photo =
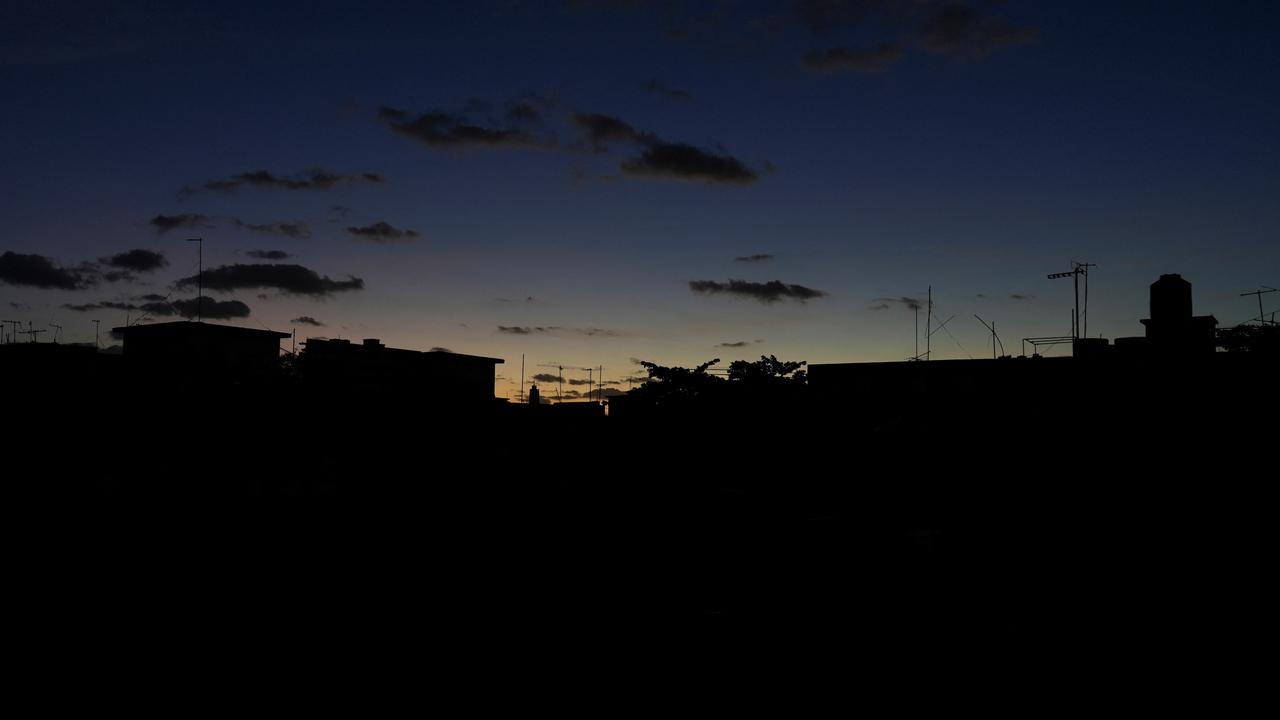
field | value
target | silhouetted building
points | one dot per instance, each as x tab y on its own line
1172	328
371	367
534	396
214	352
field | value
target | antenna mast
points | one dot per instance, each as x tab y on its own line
13	335
1077	269
199	278
31	331
994	337
1262	316
928	323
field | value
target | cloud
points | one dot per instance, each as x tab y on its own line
165	223
528	298
605	130
762	257
40	272
884	303
547	378
313	179
738	344
444	130
289	279
867	60
268	254
137	260
766	292
307	320
678	161
210	309
297	230
524	111
557	329
106	305
382	232
19	306
657	89
151	297
955	28
440	349
1021	296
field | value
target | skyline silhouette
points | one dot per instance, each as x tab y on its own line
609	177
944	326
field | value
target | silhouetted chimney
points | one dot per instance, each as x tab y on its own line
1171	300
533	395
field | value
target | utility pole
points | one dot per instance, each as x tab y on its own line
1262	317
521	377
57	332
97	324
199	278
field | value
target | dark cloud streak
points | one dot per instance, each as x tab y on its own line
766	292
41	272
287	278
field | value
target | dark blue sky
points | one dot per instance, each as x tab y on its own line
872	147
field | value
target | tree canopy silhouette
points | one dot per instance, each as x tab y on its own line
768	371
1250	338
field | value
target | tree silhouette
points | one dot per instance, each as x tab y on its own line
768	371
678	385
1250	338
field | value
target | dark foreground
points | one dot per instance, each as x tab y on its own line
1145	528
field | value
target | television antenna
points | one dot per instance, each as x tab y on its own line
1077	270
1262	316
31	331
994	337
57	332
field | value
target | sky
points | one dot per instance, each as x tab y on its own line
588	184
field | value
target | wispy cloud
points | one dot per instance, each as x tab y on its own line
297	230
313	179
884	303
383	232
165	223
766	292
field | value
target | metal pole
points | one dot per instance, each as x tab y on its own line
199	278
917	355
522	377
928	325
1075	317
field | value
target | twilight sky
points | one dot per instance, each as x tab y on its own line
591	182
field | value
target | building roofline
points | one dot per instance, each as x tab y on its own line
204	326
